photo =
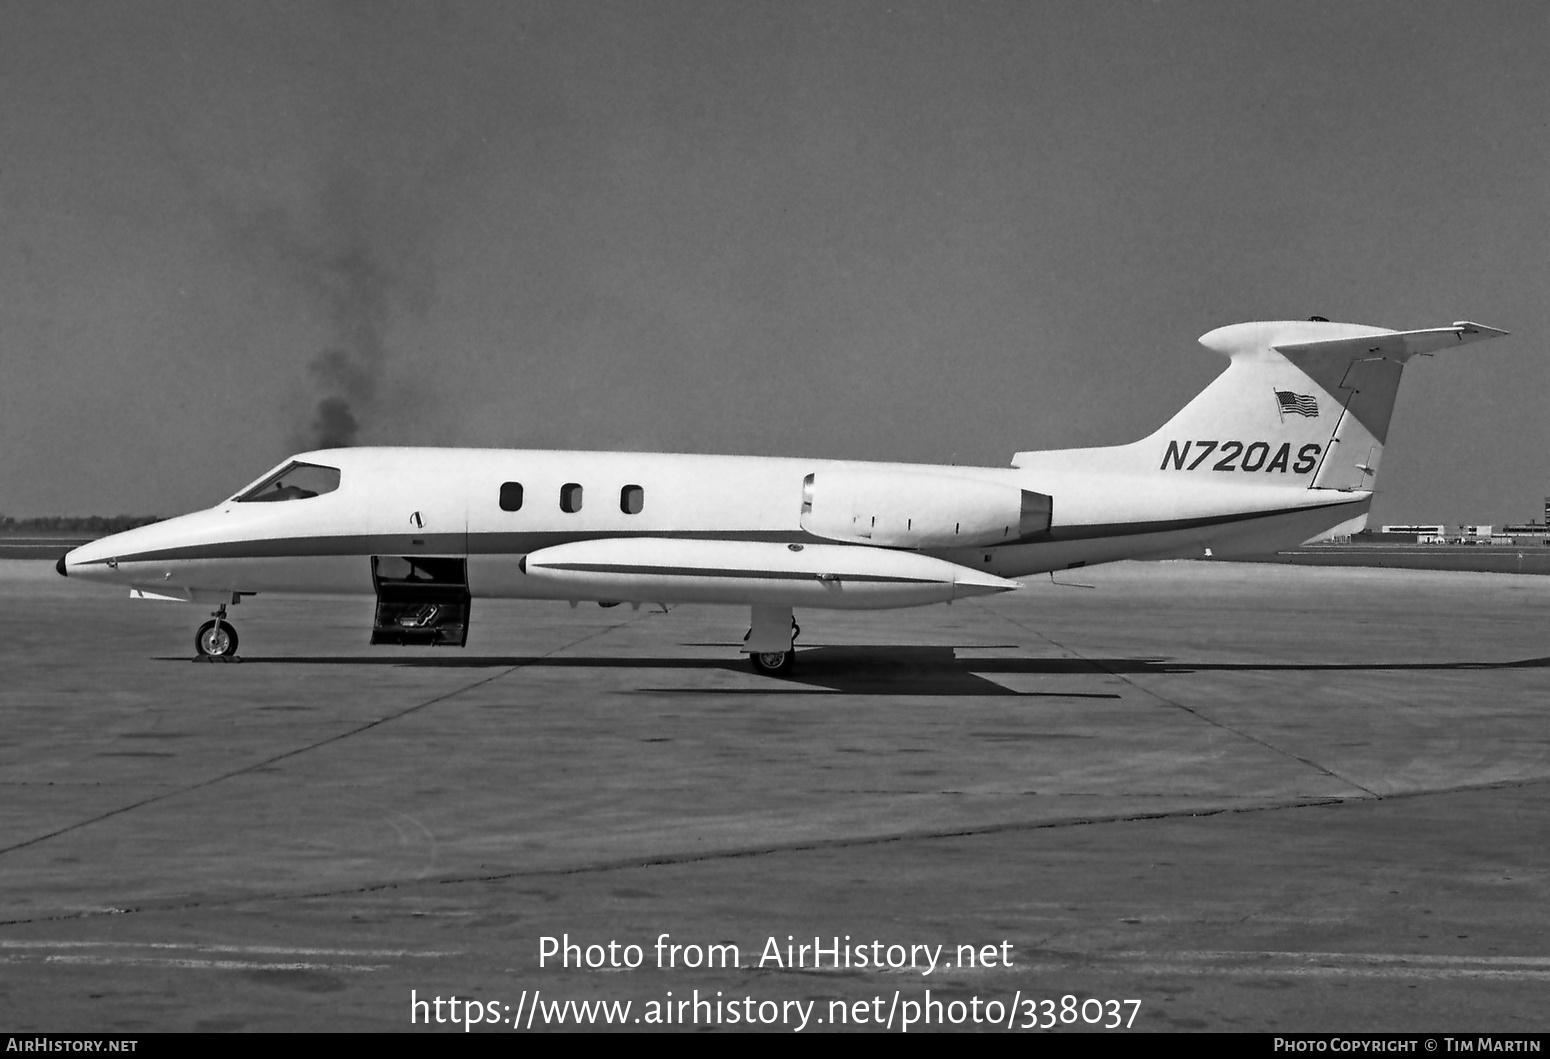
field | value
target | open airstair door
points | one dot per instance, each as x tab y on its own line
420	600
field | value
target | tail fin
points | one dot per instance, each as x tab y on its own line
1303	401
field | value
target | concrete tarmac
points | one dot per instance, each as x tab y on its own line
1250	797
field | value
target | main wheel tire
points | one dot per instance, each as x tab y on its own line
216	639
772	663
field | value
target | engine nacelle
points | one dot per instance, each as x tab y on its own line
907	509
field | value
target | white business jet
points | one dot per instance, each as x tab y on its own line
1281	447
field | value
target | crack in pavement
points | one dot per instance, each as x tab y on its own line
304	749
774	849
1197	714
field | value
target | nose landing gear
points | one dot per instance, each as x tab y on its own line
216	640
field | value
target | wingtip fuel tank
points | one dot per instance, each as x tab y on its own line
834	576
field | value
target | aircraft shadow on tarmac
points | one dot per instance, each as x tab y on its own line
884	669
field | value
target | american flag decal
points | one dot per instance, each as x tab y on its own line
1301	403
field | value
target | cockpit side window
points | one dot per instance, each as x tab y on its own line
294	481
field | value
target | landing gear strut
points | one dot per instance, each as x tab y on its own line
770	641
216	638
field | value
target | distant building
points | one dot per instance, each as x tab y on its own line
1417	534
1474	535
1527	533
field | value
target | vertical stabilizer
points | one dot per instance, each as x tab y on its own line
1304	402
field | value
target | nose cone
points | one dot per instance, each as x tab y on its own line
60	566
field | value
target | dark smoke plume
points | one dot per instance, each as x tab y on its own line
354	288
348	382
333	425
334	252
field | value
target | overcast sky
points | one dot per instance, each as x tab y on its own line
924	231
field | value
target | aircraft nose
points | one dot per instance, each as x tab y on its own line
60	566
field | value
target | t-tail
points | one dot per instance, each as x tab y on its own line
1282	447
1303	403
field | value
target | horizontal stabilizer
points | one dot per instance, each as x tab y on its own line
1398	345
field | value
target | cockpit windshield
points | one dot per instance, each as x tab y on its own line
294	481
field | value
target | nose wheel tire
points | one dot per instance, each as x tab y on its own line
772	663
216	639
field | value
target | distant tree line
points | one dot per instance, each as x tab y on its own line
100	525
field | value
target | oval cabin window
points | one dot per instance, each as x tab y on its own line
631	499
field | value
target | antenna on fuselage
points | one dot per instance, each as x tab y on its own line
1066	584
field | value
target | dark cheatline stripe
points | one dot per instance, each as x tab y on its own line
762	575
516	543
498	543
1136	529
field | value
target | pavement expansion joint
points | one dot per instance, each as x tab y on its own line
697	857
65	917
1193	712
295	751
665	860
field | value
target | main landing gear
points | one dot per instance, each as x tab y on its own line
216	639
772	663
771	639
